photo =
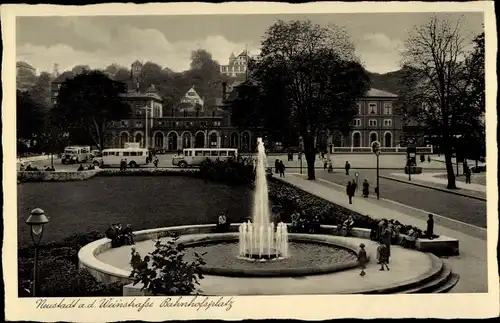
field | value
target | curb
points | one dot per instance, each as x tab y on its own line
434	188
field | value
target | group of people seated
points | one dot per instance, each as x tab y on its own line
120	236
301	224
86	167
28	168
389	231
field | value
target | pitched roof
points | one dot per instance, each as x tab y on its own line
375	93
63	77
136	63
25	65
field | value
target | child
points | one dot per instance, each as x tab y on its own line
383	256
362	259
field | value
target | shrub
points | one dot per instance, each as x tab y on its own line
165	272
58	273
232	171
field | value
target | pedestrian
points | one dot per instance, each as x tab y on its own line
383	256
277	164
322	155
349	191
347	167
155	161
354	187
325	163
430	227
362	259
468	175
282	169
366	188
428	158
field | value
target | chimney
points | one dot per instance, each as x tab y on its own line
224	90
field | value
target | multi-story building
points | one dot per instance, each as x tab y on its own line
237	65
376	120
25	76
55	85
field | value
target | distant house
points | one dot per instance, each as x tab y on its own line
25	76
191	99
237	65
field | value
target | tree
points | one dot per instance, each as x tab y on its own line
79	69
30	117
87	102
441	83
40	92
314	74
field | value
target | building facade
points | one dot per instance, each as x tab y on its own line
237	65
376	120
25	76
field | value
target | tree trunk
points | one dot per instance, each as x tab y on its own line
310	158
449	170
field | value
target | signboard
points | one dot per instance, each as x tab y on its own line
376	147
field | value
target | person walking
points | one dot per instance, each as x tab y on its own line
325	164
282	168
366	188
349	191
277	165
347	167
430	227
383	256
468	175
362	259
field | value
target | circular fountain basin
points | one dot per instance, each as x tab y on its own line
256	254
305	258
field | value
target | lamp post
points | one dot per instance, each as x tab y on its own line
146	110
376	151
301	148
36	221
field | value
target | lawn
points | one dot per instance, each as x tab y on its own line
144	202
476	178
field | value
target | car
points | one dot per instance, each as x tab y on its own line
479	168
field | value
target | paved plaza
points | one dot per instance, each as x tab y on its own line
471	265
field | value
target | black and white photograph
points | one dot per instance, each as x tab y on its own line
169	159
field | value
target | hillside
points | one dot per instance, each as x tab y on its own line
390	82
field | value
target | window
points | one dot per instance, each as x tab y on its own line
124	123
214	153
217	123
231	153
58	86
190	153
54	102
139	153
176	124
203	123
138	124
133	153
373	108
387	108
387	122
191	93
138	112
373	123
198	153
55	93
360	108
223	153
126	153
357	122
206	153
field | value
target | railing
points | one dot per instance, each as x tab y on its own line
394	150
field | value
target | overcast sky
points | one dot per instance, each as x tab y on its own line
168	40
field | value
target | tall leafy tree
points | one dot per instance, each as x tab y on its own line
442	84
87	102
312	73
30	117
40	92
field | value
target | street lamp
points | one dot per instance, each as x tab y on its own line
146	110
376	151
36	221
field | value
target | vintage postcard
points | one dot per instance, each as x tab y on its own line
250	160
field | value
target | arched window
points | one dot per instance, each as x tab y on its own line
356	139
373	137
388	139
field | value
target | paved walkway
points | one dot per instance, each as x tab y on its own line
406	265
471	265
431	177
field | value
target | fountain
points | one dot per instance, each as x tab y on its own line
260	239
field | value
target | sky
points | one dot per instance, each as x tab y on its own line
99	41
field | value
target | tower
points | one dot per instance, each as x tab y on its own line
55	70
231	59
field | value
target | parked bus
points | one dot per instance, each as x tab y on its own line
76	154
135	157
195	156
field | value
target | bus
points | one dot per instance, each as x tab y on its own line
195	156
135	157
76	154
